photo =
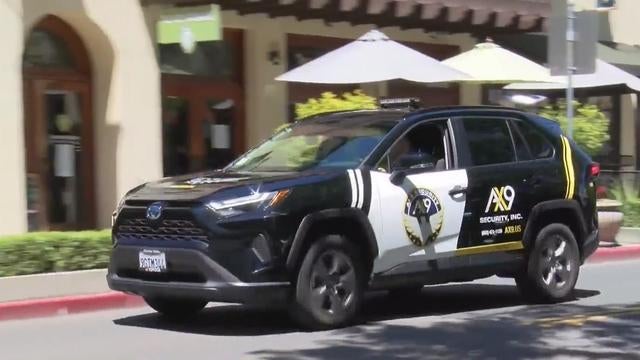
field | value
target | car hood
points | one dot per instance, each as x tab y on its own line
201	185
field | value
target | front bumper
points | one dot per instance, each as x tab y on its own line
190	274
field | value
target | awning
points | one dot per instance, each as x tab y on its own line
492	64
606	75
454	16
367	60
534	47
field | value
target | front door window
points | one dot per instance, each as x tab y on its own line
421	216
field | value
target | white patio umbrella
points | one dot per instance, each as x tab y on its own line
605	75
490	63
372	58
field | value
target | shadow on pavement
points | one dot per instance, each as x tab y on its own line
515	334
237	320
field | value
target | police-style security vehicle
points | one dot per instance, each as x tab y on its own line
346	202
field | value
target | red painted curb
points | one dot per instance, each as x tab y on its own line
67	305
625	252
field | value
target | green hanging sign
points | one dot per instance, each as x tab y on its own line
189	25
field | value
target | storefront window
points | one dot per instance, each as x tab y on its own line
44	49
213	59
175	128
218	132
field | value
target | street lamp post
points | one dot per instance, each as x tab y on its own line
570	37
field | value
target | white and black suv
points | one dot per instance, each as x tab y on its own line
346	202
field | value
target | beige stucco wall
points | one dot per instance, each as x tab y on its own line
13	218
267	98
618	24
126	98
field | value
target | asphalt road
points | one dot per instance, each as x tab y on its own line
484	319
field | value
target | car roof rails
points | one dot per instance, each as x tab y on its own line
400	103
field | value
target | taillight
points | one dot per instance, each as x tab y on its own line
594	170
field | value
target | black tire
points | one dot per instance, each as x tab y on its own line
553	266
176	309
330	284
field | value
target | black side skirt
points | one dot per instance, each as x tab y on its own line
455	269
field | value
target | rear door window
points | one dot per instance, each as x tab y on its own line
489	141
539	146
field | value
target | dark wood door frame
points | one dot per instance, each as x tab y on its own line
36	82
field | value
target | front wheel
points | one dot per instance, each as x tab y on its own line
553	266
175	308
330	284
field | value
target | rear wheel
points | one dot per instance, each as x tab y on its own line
553	266
330	284
175	308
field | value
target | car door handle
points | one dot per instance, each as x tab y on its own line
533	180
457	190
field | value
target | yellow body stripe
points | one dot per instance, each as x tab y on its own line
483	249
568	167
564	164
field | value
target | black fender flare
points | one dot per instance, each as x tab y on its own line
558	204
308	221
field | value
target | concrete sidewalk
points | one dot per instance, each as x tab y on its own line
82	291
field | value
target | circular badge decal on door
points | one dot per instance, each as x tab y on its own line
422	217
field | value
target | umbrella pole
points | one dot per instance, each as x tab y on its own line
570	67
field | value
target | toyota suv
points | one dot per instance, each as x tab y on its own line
348	202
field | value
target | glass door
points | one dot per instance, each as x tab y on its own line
60	171
63	122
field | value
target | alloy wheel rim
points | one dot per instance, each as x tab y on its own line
333	283
556	264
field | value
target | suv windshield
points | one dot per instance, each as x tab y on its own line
333	142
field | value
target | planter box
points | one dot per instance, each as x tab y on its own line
610	219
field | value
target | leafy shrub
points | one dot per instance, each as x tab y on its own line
42	252
328	102
590	125
630	206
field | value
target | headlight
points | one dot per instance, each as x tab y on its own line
114	214
239	205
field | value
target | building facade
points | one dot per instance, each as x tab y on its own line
94	105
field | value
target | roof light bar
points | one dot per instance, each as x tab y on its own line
399	103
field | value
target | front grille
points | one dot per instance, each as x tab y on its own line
178	224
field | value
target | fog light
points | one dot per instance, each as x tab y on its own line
261	248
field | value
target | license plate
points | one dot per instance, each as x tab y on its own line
152	261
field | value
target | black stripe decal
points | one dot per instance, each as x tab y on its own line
366	179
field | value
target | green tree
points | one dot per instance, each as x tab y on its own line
590	125
329	102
